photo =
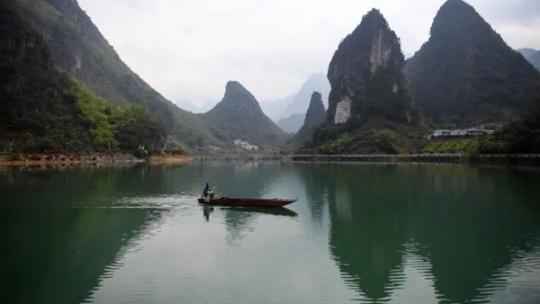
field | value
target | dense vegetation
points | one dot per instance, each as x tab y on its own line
115	127
371	137
78	48
522	136
519	137
457	145
44	110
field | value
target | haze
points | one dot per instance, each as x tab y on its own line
188	49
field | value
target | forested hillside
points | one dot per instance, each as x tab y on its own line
44	110
78	48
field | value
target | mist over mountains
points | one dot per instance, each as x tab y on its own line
298	102
533	56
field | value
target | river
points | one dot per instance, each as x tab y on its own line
364	233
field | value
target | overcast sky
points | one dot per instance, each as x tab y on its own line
188	49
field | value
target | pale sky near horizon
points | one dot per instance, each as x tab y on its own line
189	49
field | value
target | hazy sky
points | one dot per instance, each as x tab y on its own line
188	49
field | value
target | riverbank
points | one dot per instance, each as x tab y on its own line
169	159
527	159
90	159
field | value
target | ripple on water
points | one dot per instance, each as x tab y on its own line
161	202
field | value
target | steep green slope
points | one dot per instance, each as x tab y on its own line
77	47
43	110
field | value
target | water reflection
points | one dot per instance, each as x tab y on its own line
57	250
207	211
385	233
470	224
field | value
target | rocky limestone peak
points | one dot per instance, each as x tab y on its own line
465	74
65	6
315	117
366	73
459	21
316	113
237	97
235	88
239	116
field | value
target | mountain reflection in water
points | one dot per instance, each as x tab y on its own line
358	233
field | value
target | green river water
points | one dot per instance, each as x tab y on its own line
357	234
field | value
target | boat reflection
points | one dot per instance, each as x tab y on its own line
208	210
281	211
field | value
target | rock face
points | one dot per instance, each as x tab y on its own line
315	117
78	48
466	74
239	116
533	56
366	75
316	113
369	110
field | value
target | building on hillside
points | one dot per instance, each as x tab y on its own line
458	133
244	145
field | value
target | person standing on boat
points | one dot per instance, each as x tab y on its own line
206	190
208	193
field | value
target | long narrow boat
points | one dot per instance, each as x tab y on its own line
246	202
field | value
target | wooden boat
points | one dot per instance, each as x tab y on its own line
246	202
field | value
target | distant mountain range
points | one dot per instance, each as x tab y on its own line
465	75
66	88
290	112
79	50
533	56
298	102
292	124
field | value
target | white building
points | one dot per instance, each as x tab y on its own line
244	145
471	132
